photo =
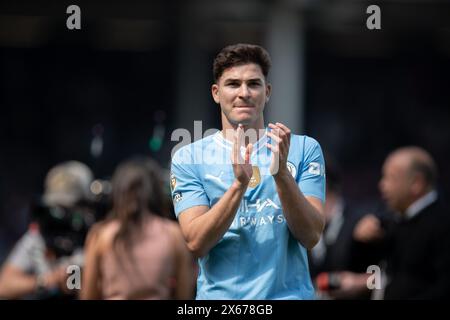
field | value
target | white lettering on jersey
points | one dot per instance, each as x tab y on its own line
314	168
280	218
256	222
177	197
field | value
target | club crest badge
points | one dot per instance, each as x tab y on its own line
173	181
255	180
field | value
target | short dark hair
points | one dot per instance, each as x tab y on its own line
239	54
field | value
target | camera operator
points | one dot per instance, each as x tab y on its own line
36	267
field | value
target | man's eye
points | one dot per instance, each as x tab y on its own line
233	84
254	84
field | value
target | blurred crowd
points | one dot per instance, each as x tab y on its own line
128	245
124	242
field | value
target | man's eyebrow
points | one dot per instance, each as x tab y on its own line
255	80
239	80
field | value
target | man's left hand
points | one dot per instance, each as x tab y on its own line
281	139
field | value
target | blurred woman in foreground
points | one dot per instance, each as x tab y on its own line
137	253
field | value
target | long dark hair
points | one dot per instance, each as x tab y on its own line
137	195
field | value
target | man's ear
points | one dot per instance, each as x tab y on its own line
268	91
215	92
419	184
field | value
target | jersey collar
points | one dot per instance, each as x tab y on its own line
218	138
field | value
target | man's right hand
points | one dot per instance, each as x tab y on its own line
242	167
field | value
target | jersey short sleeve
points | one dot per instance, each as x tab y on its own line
312	176
185	182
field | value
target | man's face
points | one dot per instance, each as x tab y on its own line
396	183
242	93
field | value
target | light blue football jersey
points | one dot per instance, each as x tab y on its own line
257	258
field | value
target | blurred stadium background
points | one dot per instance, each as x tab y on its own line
137	70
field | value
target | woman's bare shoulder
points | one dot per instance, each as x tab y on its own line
102	233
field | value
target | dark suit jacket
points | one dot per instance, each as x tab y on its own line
418	261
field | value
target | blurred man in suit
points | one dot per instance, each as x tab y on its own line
417	248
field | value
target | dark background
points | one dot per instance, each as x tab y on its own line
136	64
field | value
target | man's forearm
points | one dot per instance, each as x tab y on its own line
304	220
206	230
15	284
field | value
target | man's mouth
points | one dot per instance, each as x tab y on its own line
244	107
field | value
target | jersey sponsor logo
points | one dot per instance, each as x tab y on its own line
173	181
315	168
259	205
292	169
260	221
255	180
177	197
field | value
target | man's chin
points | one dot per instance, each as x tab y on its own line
394	207
244	121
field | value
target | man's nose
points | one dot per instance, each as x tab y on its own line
244	93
